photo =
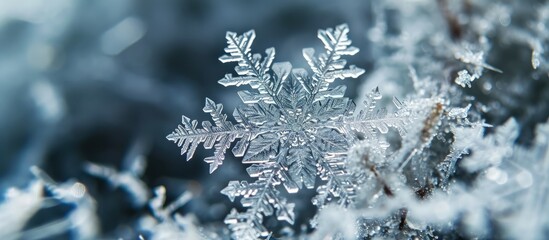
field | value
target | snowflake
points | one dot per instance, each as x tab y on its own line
292	128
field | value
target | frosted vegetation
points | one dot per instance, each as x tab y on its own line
413	157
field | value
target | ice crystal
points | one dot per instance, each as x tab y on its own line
514	177
25	202
128	178
293	127
166	223
464	79
527	169
536	37
81	220
476	61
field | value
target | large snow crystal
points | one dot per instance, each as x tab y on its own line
293	127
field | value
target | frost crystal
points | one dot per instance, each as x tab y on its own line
465	79
81	220
166	223
293	127
18	206
127	179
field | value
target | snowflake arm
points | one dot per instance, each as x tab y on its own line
328	66
371	121
251	70
340	184
220	136
261	199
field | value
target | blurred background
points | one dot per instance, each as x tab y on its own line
104	81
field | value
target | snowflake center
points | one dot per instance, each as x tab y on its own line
297	133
